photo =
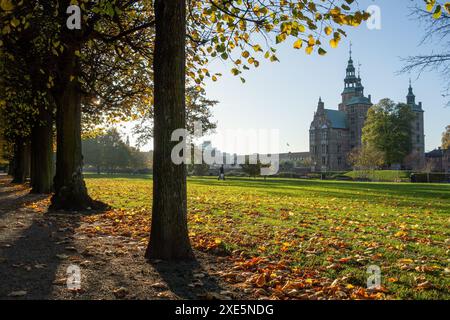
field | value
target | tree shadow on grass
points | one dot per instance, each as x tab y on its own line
187	279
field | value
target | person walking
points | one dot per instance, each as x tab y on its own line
221	173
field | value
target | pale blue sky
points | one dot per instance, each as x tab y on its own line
284	95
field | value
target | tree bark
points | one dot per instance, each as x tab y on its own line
42	153
169	238
70	188
20	160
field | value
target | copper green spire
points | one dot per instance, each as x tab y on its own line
410	98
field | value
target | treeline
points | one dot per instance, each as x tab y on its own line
108	153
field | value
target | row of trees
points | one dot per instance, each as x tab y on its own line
119	58
109	153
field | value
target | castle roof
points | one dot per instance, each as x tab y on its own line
358	100
338	119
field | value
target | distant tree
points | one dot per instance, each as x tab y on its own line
366	158
253	169
388	130
139	159
305	163
200	169
110	152
287	165
446	138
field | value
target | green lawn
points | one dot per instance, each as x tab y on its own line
333	229
381	175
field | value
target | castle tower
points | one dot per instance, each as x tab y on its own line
350	81
354	103
417	157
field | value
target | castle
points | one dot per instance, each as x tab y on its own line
334	133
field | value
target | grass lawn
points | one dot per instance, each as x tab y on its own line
305	234
381	175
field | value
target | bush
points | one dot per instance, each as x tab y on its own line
380	175
288	175
432	177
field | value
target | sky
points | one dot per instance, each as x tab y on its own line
283	95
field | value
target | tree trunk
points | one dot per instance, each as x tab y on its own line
11	167
169	238
70	189
42	153
20	162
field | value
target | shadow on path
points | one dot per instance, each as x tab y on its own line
187	279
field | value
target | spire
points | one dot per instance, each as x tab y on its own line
410	98
350	78
320	105
350	51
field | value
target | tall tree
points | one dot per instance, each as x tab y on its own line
388	130
216	28
169	236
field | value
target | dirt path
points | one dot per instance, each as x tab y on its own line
36	249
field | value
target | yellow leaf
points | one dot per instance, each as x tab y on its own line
430	5
261	280
334	43
15	22
6	5
404	260
298	44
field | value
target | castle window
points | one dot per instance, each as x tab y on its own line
418	138
417	125
339	160
338	148
324	160
352	120
352	134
